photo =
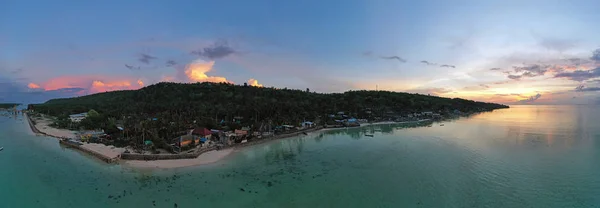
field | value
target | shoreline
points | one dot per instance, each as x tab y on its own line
111	154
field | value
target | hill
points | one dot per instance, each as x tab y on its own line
8	105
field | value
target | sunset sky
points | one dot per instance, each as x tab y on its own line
513	52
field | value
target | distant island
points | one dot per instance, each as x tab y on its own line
8	105
181	117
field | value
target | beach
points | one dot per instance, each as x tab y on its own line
111	153
42	125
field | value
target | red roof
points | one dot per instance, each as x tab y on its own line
201	131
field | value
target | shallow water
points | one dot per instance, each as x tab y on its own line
525	156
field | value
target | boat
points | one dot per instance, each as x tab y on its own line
1	148
369	135
441	124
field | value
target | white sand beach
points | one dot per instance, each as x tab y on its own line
205	158
42	124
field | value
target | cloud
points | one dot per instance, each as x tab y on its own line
580	75
219	49
435	91
495	69
254	82
596	55
428	63
170	63
559	45
33	86
531	99
533	69
448	66
145	58
582	88
394	57
132	67
367	53
196	72
515	77
16	71
140	83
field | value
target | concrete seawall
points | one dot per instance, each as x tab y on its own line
83	149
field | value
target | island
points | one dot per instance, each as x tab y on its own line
8	105
170	121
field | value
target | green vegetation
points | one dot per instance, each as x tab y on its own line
163	111
8	105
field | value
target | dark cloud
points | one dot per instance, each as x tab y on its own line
531	99
132	67
16	71
516	77
495	69
580	75
484	85
394	57
171	63
219	49
428	63
145	58
367	53
596	55
448	66
535	69
582	88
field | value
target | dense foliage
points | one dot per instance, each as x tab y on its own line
8	105
164	109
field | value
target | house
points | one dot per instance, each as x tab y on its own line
202	133
307	124
186	140
352	122
77	117
287	127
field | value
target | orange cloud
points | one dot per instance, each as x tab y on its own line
253	82
91	84
167	79
100	86
33	86
196	72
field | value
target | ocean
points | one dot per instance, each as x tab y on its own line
525	156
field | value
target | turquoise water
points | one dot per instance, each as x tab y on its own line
525	156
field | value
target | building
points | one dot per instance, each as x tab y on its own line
202	133
307	124
77	117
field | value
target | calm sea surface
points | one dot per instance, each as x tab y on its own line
525	156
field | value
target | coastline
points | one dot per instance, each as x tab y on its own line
108	154
111	154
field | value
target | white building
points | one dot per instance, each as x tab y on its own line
77	117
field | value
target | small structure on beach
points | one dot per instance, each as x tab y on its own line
76	118
307	124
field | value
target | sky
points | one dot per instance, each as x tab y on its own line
511	52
